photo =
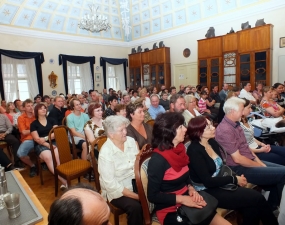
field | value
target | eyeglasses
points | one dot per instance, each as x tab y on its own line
209	126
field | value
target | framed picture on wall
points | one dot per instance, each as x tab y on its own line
282	42
97	77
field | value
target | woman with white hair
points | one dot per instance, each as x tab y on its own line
116	167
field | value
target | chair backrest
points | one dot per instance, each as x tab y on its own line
60	134
141	176
99	143
150	122
64	121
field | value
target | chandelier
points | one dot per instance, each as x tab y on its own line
93	21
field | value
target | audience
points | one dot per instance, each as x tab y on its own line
138	129
240	158
47	100
40	129
76	121
205	163
135	96
169	184
192	109
57	112
113	101
163	101
116	167
224	92
215	94
269	107
143	95
258	92
27	142
245	93
155	108
120	110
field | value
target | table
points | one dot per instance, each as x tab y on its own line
33	197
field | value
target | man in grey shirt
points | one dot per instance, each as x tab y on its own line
7	136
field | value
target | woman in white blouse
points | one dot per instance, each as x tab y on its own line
116	168
192	109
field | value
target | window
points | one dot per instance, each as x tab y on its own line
79	77
19	78
115	77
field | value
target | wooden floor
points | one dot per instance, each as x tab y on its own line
45	193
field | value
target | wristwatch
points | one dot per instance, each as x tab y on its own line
46	138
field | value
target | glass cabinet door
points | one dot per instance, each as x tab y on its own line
245	68
132	75
138	77
153	75
230	68
160	75
146	74
203	72
260	67
215	72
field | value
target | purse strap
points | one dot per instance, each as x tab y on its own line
223	152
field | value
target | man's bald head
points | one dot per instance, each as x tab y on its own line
80	206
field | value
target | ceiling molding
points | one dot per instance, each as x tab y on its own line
218	20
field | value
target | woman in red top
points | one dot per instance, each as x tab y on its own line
168	174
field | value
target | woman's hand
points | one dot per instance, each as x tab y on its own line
188	201
196	197
241	180
265	148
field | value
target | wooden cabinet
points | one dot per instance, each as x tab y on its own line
150	69
244	56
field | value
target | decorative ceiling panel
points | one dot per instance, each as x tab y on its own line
130	19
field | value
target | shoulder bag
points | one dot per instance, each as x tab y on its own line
226	171
192	216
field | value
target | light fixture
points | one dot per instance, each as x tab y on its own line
93	21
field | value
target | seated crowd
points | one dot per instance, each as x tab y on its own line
211	120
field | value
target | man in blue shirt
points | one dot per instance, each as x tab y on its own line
76	122
155	108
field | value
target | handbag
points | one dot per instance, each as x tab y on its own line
193	216
226	171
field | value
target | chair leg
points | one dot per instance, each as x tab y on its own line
56	183
78	179
40	171
116	219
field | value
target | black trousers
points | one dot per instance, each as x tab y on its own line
249	202
132	207
15	143
4	160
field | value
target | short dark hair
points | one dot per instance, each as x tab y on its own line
35	98
131	108
111	98
276	85
203	93
236	89
90	91
110	89
15	102
91	108
164	130
45	97
71	103
27	101
171	88
174	98
245	83
196	127
37	107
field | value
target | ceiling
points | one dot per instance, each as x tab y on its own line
142	18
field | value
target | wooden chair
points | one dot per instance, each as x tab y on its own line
69	168
141	165
99	142
4	144
150	122
63	122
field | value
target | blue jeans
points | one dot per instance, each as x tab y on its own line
276	155
270	178
25	147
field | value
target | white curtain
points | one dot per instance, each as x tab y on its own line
18	69
79	74
115	77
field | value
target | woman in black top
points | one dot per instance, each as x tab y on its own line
169	184
40	129
205	163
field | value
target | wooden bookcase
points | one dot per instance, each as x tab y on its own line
150	69
244	56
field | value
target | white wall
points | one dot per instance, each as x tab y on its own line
51	49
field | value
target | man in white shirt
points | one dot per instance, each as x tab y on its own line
135	96
245	93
